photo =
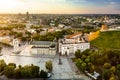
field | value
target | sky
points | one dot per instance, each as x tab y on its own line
61	6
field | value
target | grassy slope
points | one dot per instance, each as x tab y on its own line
110	39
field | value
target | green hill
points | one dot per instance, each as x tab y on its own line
109	39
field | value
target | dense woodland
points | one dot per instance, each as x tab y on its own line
106	62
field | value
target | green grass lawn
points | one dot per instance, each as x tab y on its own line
109	39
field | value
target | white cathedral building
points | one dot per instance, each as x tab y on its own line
43	47
71	43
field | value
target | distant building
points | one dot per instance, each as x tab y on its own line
27	16
61	25
110	28
71	43
43	47
54	29
28	25
36	22
51	30
52	24
118	28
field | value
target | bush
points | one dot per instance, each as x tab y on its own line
78	54
2	65
49	66
12	64
20	72
43	74
106	66
9	71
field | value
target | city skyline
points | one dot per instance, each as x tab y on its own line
61	6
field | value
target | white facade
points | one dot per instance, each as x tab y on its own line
43	47
61	25
71	43
43	51
71	48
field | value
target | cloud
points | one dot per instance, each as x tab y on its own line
61	6
112	3
76	1
23	0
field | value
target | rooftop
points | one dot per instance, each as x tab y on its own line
73	35
42	43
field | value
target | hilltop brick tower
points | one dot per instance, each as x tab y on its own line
104	28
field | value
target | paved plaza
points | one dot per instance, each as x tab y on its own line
63	71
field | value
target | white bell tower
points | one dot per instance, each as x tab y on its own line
16	43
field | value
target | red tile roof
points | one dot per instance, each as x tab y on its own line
71	36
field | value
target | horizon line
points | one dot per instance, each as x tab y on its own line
63	13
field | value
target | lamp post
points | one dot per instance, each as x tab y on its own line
60	60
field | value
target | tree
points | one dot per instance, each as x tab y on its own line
17	73
49	66
118	67
19	35
34	71
9	71
87	60
58	34
26	72
12	64
118	73
106	66
78	53
92	68
83	57
83	66
67	32
2	65
113	69
43	74
30	71
118	70
78	63
106	74
108	70
86	52
112	78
